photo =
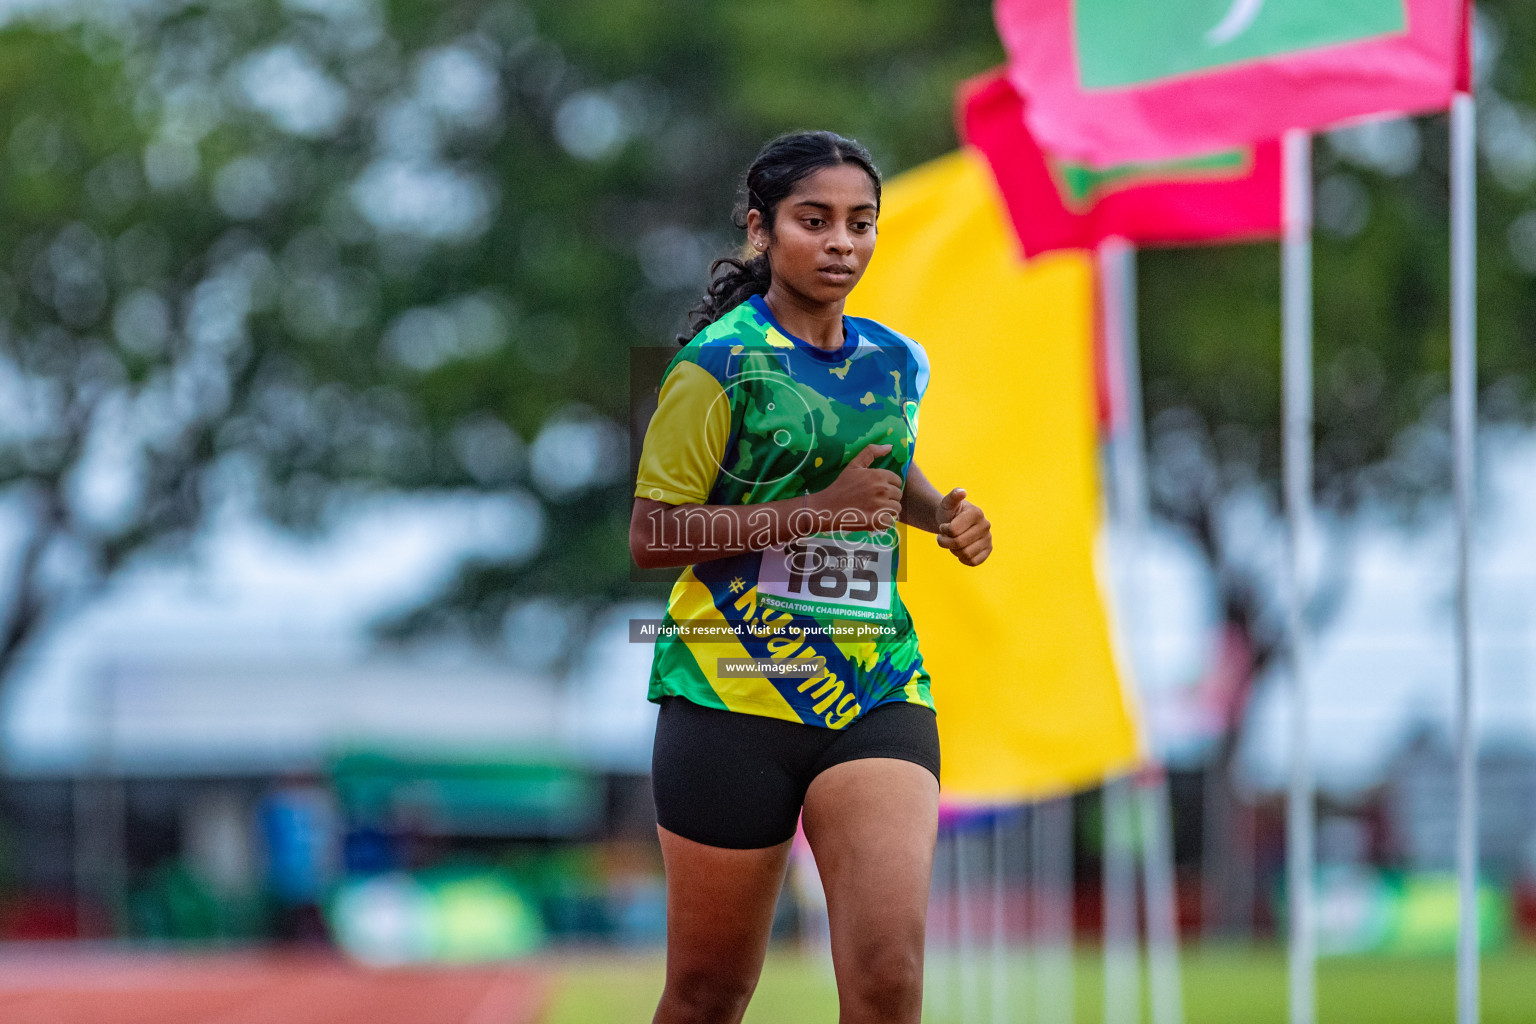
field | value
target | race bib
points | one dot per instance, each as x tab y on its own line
830	574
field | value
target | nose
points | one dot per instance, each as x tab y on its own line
840	242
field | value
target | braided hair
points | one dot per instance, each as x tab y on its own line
780	166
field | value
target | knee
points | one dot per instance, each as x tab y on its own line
703	997
888	981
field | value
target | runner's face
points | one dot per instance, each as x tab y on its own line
823	233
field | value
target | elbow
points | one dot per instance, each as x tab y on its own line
645	532
641	552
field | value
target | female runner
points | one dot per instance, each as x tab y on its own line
774	469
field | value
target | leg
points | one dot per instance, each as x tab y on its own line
719	911
872	824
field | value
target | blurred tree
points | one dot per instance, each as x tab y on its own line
109	406
1211	356
1210	332
304	248
300	249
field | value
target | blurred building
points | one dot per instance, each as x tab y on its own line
1419	804
228	800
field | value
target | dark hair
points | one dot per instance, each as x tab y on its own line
780	166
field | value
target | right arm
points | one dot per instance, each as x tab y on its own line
663	535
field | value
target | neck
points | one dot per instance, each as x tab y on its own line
816	323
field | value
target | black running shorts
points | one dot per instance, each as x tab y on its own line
729	779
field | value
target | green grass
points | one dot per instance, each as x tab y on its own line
1222	986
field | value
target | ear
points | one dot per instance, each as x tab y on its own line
757	231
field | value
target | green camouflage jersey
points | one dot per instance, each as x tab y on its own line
748	414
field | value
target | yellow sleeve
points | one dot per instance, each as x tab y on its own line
686	439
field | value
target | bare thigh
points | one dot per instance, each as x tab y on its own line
719	912
872	825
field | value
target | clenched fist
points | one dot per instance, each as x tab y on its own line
860	498
963	529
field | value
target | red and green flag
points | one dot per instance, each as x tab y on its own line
1224	195
1117	80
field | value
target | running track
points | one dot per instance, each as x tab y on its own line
66	987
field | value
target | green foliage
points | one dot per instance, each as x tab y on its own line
305	250
1210	331
1210	317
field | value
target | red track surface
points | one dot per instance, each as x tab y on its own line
68	987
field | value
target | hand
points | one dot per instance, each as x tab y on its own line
963	529
860	498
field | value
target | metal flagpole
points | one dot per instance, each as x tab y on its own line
1122	995
1121	951
954	1002
1033	967
1296	282
1133	509
1161	898
970	979
940	996
1464	437
1052	933
999	926
1036	968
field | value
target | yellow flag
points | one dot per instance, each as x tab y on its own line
1025	676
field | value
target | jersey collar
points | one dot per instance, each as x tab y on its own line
850	332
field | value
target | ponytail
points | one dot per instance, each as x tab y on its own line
731	282
780	166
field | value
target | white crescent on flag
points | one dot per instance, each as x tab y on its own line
1239	18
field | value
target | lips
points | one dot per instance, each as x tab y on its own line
836	271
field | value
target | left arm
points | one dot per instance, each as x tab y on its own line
961	526
920	501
